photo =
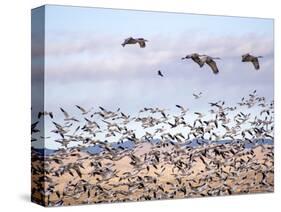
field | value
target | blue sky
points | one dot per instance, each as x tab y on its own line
86	64
77	19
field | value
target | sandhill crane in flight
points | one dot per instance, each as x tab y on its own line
253	59
131	40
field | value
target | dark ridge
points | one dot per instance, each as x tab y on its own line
125	145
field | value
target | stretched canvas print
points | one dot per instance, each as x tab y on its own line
139	105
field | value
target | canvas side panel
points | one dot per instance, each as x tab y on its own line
37	106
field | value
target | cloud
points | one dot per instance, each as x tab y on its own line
97	70
102	57
110	75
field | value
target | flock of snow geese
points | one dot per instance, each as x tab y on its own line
200	59
227	152
180	154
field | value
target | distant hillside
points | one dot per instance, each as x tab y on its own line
96	149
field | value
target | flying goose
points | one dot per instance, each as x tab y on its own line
197	96
67	117
83	110
211	62
195	57
131	40
183	110
253	59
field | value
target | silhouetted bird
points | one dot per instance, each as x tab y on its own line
160	73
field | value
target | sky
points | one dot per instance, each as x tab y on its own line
86	65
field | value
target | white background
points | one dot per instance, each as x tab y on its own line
15	104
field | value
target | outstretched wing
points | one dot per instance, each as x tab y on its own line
81	108
256	64
141	43
127	41
213	66
64	113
